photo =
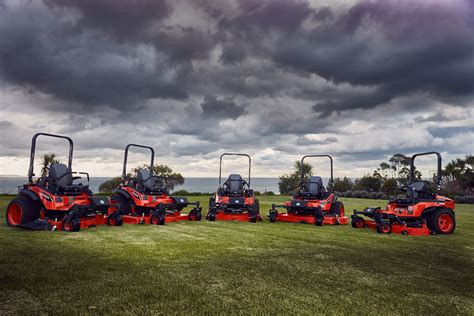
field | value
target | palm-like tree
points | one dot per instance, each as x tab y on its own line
48	159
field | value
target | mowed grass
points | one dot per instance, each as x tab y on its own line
235	267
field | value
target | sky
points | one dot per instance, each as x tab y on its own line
276	79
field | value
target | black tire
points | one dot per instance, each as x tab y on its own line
253	217
211	216
357	222
198	215
435	221
273	216
212	204
71	223
195	215
21	210
123	204
318	220
256	206
161	218
115	219
158	218
337	208
384	228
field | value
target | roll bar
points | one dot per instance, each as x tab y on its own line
124	171
310	156
412	165
33	151
233	154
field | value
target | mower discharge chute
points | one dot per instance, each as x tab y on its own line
234	199
56	202
313	203
419	213
145	198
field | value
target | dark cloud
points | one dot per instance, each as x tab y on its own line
214	107
125	20
117	71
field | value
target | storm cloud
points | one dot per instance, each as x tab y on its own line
275	78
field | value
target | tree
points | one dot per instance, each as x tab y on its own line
458	175
368	183
289	183
343	185
110	185
46	162
172	178
389	185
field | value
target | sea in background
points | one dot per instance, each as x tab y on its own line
9	185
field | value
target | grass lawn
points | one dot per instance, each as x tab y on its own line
235	267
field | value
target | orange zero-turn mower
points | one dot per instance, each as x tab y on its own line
145	199
234	199
419	213
55	202
313	203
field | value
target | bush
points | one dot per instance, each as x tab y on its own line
380	195
373	195
348	194
181	192
270	193
186	193
467	199
361	194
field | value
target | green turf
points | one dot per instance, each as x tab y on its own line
235	267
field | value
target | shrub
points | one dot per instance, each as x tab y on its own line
349	194
270	193
467	199
181	192
380	195
373	195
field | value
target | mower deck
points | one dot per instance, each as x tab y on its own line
402	229
146	219
87	222
222	216
327	219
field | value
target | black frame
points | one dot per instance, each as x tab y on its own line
233	154
33	151
412	165
125	158
310	156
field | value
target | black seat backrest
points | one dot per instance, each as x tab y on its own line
147	183
60	171
235	184
144	180
418	190
314	185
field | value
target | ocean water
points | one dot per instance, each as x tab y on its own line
9	185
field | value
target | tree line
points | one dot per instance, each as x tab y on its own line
389	176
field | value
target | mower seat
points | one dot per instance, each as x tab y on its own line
60	179
418	190
148	184
235	184
313	187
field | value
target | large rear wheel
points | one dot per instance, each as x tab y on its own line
442	221
21	210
